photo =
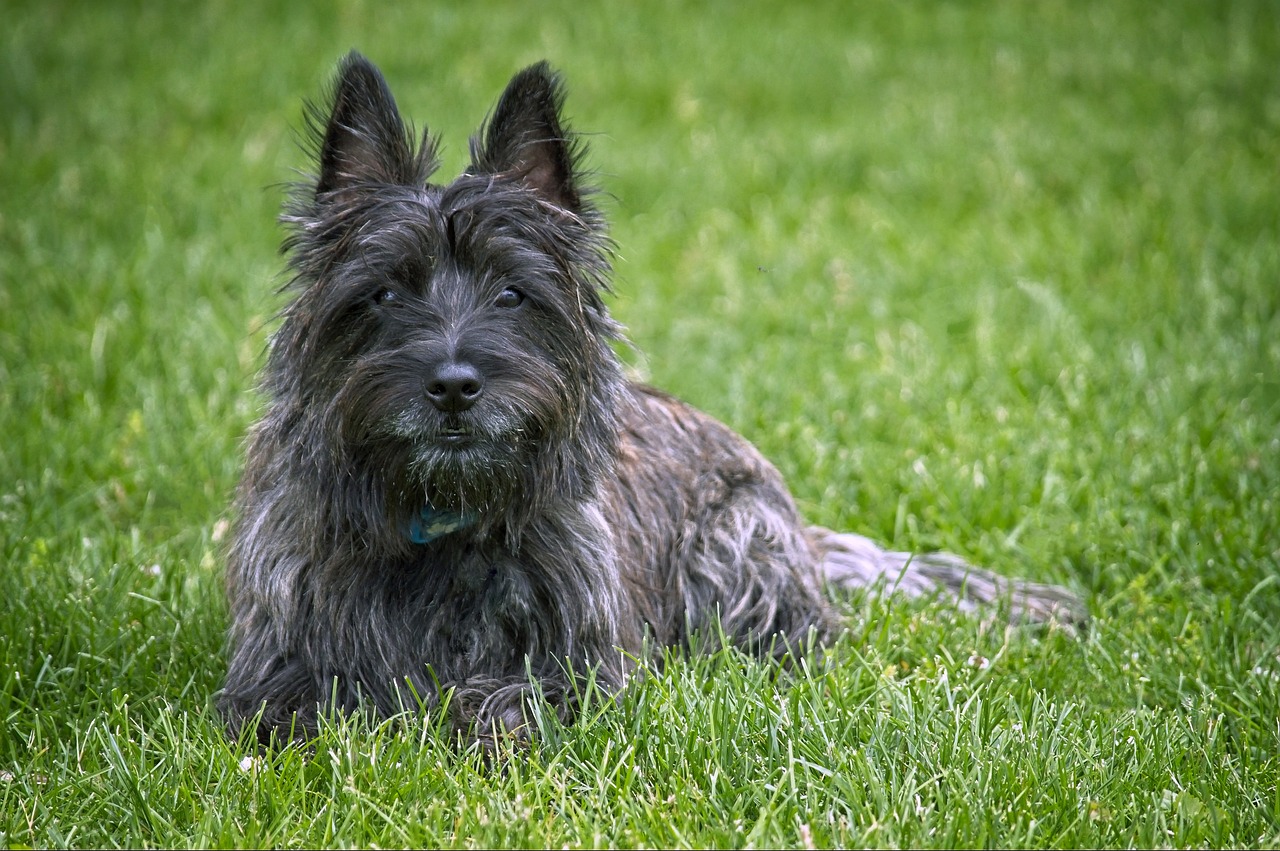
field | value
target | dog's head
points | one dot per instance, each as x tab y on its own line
453	337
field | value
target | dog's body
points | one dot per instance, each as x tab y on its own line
454	487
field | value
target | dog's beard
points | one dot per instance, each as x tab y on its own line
469	463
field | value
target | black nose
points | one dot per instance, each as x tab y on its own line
454	386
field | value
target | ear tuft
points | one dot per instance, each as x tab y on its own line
526	139
362	139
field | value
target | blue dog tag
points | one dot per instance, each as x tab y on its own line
432	523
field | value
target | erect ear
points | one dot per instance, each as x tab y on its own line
364	139
526	139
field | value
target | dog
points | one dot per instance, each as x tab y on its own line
455	497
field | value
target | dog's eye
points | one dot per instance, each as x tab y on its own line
385	296
510	297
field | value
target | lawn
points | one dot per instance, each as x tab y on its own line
1000	278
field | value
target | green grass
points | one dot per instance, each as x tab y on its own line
1002	278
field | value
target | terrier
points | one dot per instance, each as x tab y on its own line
454	488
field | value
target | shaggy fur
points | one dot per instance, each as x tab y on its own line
455	488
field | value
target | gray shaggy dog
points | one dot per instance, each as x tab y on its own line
455	491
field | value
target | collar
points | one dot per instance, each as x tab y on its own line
433	523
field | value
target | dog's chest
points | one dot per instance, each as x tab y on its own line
475	608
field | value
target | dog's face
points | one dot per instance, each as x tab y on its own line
452	334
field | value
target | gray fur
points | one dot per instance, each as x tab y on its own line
447	348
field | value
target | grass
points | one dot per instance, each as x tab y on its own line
1000	278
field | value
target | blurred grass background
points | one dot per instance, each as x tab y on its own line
1002	278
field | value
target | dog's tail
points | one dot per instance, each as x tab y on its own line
852	561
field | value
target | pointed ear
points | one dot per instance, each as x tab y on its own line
526	139
364	141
